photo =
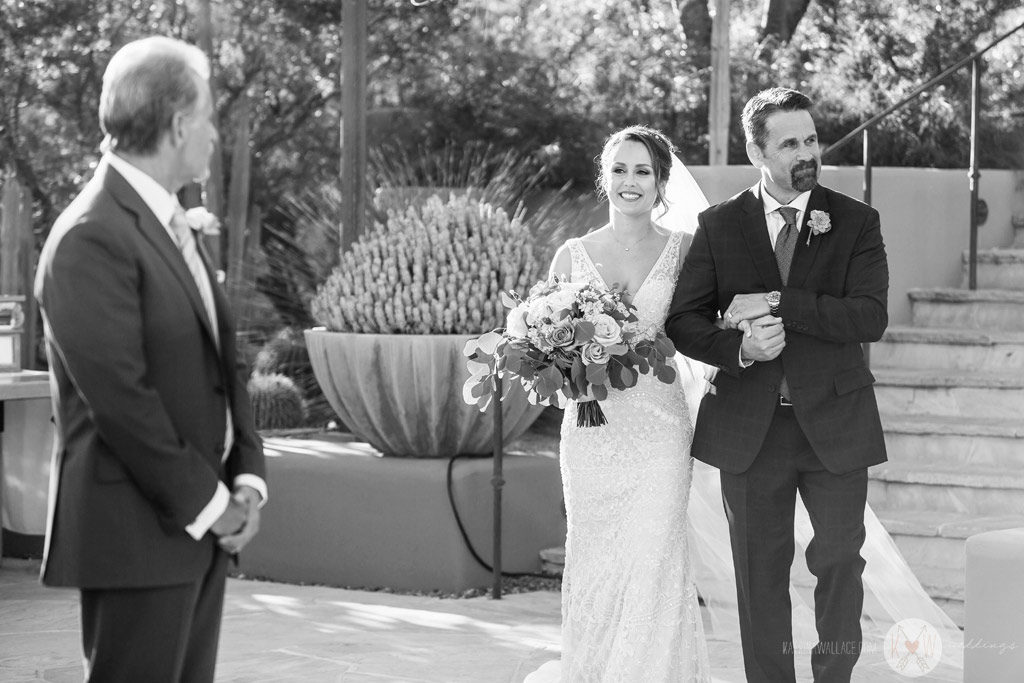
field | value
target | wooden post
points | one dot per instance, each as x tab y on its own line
718	100
238	201
10	238
353	121
17	259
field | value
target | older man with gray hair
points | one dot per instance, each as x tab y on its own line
158	473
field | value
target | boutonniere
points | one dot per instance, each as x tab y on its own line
199	218
820	223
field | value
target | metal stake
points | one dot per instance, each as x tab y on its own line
497	482
974	174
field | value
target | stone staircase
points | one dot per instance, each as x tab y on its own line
950	389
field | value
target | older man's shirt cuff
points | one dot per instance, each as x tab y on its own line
255	482
743	363
211	513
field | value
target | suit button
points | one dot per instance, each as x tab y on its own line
219	389
772	388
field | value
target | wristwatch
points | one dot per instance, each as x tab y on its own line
774	300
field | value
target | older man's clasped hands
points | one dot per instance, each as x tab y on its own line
764	336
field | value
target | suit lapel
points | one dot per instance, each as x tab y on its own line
804	255
155	233
755	232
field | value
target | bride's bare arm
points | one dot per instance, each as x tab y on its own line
562	263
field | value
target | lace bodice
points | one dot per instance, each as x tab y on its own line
654	295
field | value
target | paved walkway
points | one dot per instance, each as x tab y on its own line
277	632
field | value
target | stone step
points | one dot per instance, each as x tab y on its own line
933	544
927	440
997	269
950	393
949	348
981	309
978	491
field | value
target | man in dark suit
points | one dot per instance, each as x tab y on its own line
801	269
158	474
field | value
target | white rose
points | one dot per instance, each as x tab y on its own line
515	325
199	218
563	298
593	353
606	330
538	309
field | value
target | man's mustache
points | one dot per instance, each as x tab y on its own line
806	166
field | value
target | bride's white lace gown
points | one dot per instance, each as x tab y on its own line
629	606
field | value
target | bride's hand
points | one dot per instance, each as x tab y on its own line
743	326
745	307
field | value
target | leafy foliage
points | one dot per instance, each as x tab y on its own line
547	80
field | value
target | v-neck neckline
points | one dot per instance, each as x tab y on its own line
657	262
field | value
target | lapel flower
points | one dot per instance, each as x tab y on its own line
820	223
199	218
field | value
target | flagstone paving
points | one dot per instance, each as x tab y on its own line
276	633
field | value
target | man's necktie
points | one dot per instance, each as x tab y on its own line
190	252
786	241
186	239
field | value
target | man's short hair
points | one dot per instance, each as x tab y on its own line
146	82
764	104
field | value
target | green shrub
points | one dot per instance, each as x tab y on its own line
435	268
276	402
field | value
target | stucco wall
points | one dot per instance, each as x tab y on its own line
925	218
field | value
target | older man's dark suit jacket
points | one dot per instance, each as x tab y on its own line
139	395
835	300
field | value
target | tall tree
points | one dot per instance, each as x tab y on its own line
781	17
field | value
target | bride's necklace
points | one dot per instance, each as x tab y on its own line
627	247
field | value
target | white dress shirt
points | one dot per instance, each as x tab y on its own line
771	214
163	203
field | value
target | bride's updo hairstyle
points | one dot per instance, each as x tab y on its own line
658	146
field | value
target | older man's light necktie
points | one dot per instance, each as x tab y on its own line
190	252
186	239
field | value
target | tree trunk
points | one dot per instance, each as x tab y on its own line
214	186
781	18
695	20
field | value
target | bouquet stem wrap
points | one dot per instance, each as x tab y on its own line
589	414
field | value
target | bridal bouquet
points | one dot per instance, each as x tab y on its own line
566	340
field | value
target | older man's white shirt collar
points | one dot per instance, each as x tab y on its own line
161	202
771	204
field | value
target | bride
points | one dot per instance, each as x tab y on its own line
629	605
636	556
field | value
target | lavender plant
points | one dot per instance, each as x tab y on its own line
432	268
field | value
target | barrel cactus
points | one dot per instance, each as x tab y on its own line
436	267
276	402
285	353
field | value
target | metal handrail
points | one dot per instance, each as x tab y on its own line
927	85
973	174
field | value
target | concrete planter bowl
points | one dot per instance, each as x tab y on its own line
402	394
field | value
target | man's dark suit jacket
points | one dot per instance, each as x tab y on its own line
834	301
139	396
